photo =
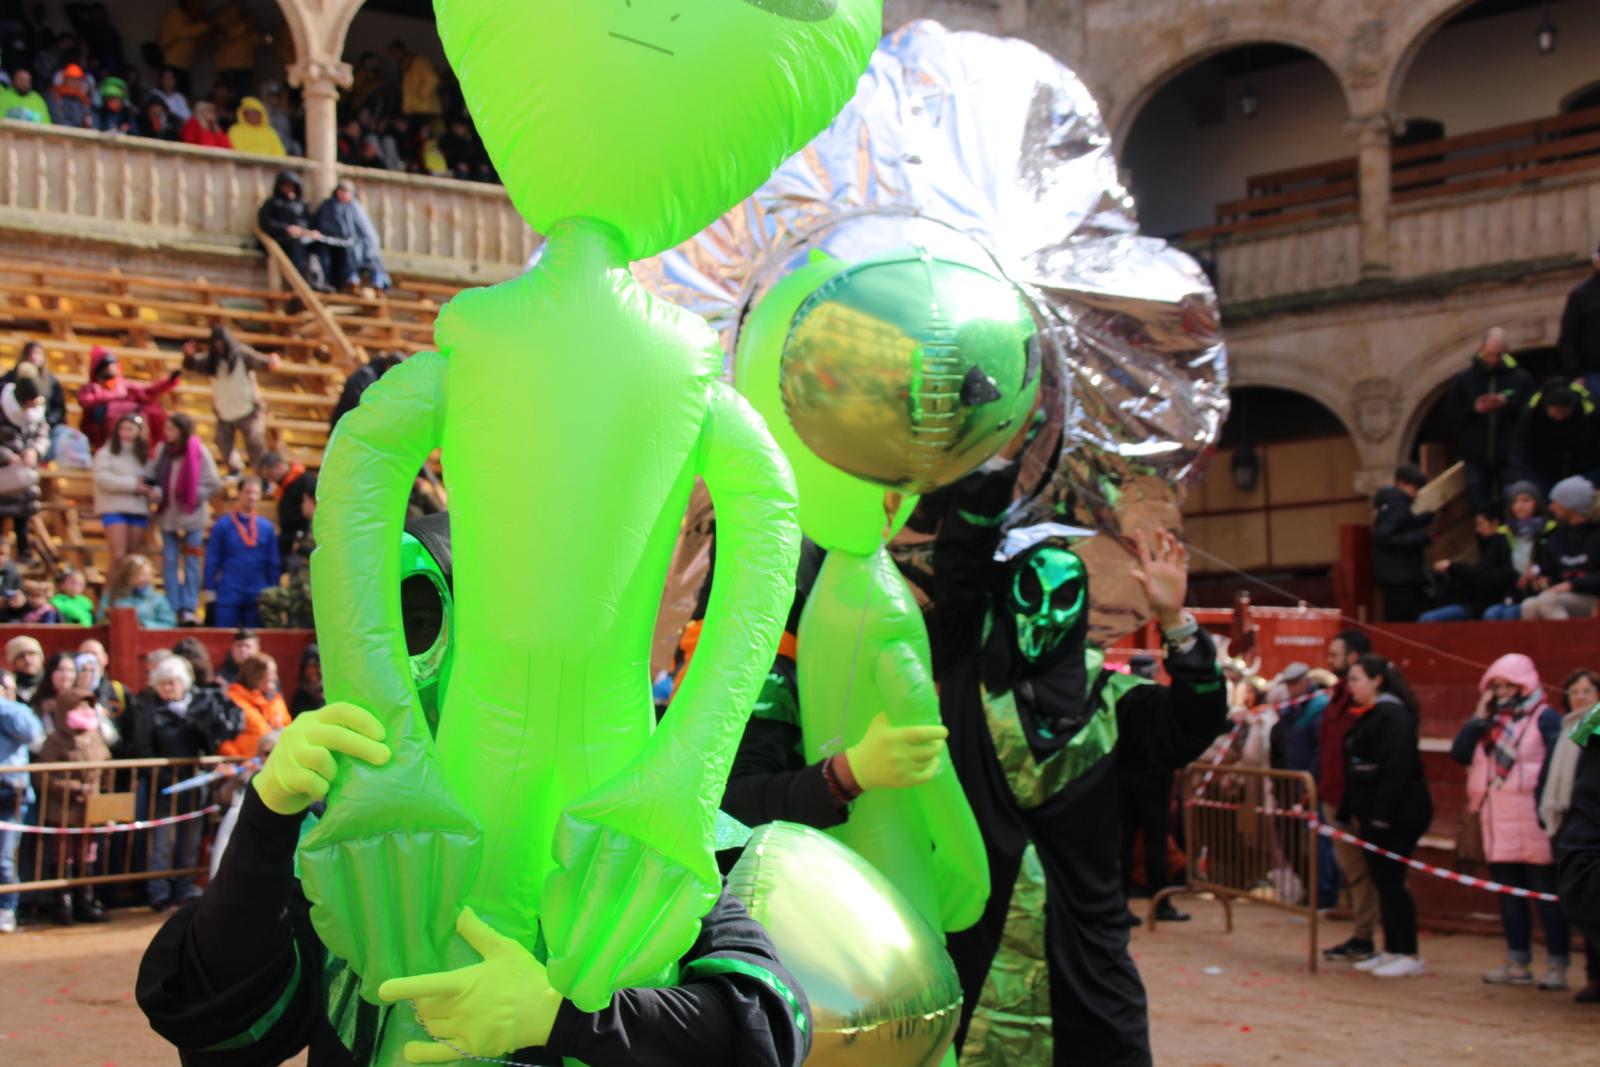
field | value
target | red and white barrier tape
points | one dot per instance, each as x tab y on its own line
1438	872
1216	761
113	828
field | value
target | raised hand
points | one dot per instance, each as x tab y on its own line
1163	573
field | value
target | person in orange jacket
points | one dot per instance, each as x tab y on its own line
256	693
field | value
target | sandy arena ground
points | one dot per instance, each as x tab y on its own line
1218	1000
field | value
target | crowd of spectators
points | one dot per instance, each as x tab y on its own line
399	115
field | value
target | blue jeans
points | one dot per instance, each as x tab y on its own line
10	811
1515	917
181	570
1448	613
1503	612
164	857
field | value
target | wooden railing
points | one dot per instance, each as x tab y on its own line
157	194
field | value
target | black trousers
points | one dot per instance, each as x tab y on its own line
1398	910
1146	808
1403	603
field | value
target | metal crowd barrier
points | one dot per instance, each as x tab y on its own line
1250	834
99	823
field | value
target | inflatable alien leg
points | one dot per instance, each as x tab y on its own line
646	835
385	866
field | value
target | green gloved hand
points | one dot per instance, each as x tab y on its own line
896	757
302	766
488	1009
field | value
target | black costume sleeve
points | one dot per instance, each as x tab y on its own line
736	1005
767	783
1170	726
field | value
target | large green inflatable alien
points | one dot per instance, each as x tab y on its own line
574	412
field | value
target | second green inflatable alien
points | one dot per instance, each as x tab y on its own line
574	413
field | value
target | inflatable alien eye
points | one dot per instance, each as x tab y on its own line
798	10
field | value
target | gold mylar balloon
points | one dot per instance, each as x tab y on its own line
910	371
882	988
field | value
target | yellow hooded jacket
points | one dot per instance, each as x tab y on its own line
261	138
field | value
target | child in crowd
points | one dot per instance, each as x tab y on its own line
134	586
40	611
65	803
70	601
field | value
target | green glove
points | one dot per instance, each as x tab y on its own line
488	1009
896	757
302	766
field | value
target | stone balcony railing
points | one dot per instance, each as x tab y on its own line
1551	221
155	194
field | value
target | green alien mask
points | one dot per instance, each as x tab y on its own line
428	610
1049	591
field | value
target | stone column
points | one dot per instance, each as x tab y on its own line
1373	181
319	84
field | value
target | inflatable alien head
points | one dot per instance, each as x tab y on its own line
654	116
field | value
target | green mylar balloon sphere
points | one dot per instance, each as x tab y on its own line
909	371
653	117
883	990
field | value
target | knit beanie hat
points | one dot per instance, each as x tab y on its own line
1574	494
1516	489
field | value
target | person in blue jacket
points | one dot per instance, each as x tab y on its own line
19	729
241	559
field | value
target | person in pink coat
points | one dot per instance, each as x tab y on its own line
1507	745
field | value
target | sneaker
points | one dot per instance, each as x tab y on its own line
8	921
1401	967
1376	960
1555	978
1352	951
1510	973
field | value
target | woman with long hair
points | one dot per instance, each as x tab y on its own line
60	675
1581	695
256	693
121	496
1386	794
186	479
133	585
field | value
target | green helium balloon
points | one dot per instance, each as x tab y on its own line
652	117
574	412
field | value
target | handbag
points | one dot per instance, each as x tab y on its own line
1469	839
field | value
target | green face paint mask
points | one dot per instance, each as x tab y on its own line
1048	592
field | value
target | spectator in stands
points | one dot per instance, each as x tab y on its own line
308	695
359	382
108	396
276	97
60	675
235	395
246	643
1581	695
70	101
464	153
344	218
1507	745
21	101
256	694
40	611
20	731
1472	590
253	132
242	559
419	85
71	601
1400	538
115	116
133	585
176	719
1527	526
177	103
368	81
24	440
287	221
235	54
226	103
1386	793
157	122
55	397
12	601
202	128
290	484
186	479
183	27
288	604
122	497
1338	716
110	695
1568	558
26	657
1580	331
1557	437
76	739
430	157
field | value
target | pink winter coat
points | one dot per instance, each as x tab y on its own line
1510	808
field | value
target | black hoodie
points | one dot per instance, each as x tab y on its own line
280	212
1399	539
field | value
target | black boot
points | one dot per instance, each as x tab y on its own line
63	910
86	909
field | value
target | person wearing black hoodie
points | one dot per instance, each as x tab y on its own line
286	219
1485	400
1580	330
1557	437
1400	539
1471	589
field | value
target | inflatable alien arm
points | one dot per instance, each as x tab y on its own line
368	847
651	827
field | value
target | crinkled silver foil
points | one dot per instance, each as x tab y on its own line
988	151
